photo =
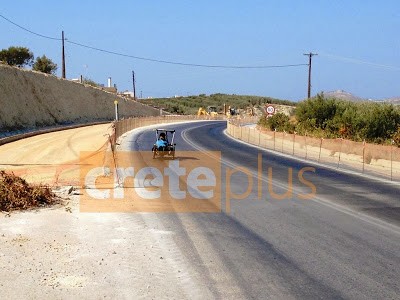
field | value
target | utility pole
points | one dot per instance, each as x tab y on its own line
310	55
134	85
63	56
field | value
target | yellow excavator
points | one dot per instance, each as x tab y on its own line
250	111
211	111
229	111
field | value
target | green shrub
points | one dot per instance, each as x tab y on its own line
334	118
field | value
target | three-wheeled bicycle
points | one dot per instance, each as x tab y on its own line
163	147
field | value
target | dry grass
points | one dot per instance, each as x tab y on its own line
17	194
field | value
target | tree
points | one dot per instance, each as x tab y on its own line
17	56
45	65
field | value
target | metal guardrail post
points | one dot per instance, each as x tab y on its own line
306	147
341	143
391	161
363	158
320	149
294	141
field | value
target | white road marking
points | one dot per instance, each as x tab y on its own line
343	209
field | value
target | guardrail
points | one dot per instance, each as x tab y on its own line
339	153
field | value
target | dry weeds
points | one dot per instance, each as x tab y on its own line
17	194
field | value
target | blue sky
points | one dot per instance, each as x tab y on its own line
219	33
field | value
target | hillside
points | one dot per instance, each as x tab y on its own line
191	104
394	100
340	94
33	99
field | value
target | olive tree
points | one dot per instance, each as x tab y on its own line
45	65
17	56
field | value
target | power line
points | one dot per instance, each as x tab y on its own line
357	61
184	64
23	28
156	60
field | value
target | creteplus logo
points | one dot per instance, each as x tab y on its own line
190	183
139	183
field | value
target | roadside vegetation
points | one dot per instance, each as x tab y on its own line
333	118
191	104
44	65
88	81
17	56
17	194
22	56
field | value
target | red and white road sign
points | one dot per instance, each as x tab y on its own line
270	109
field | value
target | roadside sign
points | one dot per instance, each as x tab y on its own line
270	109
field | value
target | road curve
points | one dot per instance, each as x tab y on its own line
341	244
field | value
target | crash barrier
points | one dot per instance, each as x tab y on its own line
362	157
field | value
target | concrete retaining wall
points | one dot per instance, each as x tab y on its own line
34	99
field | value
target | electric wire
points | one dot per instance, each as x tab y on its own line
152	59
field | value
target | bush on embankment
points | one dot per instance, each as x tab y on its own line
334	118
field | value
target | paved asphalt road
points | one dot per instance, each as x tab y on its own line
344	243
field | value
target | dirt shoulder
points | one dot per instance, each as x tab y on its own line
53	158
60	253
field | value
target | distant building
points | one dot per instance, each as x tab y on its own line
80	79
128	94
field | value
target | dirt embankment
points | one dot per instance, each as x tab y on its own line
279	108
33	99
